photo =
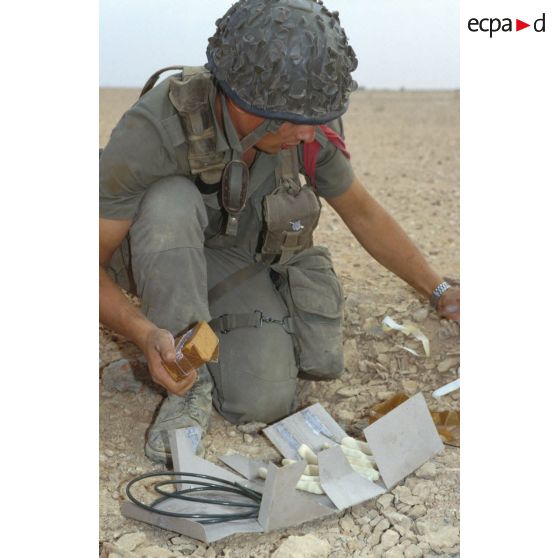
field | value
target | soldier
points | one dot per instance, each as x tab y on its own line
204	216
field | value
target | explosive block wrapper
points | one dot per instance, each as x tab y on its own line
193	349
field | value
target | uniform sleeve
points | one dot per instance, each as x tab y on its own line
136	155
334	173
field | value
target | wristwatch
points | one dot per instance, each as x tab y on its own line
438	292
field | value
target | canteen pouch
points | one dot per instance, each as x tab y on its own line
314	297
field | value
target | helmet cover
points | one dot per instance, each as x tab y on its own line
283	59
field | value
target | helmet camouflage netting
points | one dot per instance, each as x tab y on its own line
283	59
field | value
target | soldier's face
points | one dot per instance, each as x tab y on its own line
286	136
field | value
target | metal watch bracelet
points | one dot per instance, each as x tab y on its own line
438	292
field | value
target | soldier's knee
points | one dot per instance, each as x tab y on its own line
171	215
255	379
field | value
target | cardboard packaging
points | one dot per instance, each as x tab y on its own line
193	349
401	441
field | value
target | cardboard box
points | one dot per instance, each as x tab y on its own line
400	442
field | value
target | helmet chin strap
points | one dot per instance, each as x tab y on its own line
238	146
236	176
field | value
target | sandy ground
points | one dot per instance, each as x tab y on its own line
405	148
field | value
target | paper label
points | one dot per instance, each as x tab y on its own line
315	424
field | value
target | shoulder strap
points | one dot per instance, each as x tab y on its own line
191	95
150	83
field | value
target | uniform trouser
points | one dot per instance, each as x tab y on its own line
172	270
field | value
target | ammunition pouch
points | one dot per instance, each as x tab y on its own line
291	212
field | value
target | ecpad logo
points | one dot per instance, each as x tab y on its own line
494	24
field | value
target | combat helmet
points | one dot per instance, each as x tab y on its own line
283	60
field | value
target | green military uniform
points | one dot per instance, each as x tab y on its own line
176	252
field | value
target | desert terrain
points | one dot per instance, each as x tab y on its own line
405	148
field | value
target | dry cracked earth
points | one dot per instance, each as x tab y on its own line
405	148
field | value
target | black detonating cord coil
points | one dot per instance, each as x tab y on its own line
216	485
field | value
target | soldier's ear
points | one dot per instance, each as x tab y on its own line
246	120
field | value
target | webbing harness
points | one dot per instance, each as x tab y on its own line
191	95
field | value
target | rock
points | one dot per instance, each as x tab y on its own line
122	375
410	386
427	471
421	314
441	539
353	546
384	359
307	546
184	544
349	391
248	439
417	511
394	553
403	525
111	550
130	541
363	520
413	551
384	501
447	364
384	395
389	538
352	358
377	333
399	520
366	530
422	490
424	546
403	494
251	427
232	433
155	552
352	301
347	523
382	526
210	553
345	415
403	508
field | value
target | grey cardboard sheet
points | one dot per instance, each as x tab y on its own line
312	426
403	440
344	486
283	505
246	466
184	459
206	533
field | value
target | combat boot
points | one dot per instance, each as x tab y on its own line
191	409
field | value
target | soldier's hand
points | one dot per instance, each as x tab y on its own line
448	305
158	347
